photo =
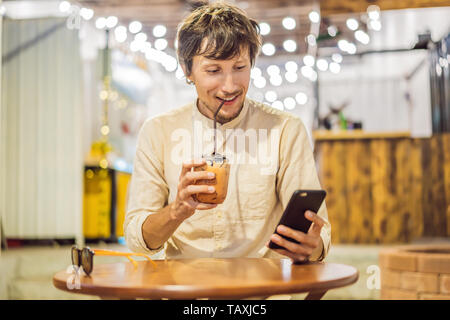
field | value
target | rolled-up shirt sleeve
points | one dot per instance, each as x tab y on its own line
148	190
297	170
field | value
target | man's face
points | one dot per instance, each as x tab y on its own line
218	80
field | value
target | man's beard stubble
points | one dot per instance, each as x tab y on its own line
220	118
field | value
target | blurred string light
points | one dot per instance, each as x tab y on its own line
100	23
264	28
278	105
309	60
332	31
273	70
140	37
336	57
362	37
289	103
335	67
120	33
311	39
2	10
301	98
374	12
86	13
159	31
322	64
64	6
352	24
291	66
375	25
271	96
291	76
289	23
314	16
259	82
276	80
268	49
290	45
161	44
111	22
346	46
135	26
255	73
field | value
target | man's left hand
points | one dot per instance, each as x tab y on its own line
309	242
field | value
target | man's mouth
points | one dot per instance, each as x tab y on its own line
230	100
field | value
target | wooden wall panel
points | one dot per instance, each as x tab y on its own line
358	192
446	151
386	190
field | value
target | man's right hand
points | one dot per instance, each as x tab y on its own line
184	205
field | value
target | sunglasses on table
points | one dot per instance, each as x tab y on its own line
85	257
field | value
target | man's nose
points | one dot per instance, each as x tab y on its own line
229	85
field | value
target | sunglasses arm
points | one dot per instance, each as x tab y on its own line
101	252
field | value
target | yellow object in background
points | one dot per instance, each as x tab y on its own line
97	203
122	180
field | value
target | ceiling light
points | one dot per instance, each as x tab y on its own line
255	73
306	71
343	45
289	103
351	48
140	37
120	33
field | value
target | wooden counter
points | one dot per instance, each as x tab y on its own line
385	188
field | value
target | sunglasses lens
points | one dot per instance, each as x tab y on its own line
87	260
75	253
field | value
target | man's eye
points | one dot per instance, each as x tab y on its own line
241	67
212	71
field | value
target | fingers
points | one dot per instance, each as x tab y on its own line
294	257
294	248
188	165
190	177
188	191
318	222
298	236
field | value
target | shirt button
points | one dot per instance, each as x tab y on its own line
219	214
218	246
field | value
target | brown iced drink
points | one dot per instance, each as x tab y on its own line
221	168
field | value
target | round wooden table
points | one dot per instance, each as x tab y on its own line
235	278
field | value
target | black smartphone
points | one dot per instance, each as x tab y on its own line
294	214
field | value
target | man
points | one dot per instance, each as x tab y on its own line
217	46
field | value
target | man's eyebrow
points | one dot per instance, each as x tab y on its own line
211	64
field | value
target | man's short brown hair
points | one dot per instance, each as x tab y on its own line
226	29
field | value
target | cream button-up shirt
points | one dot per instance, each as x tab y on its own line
270	157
